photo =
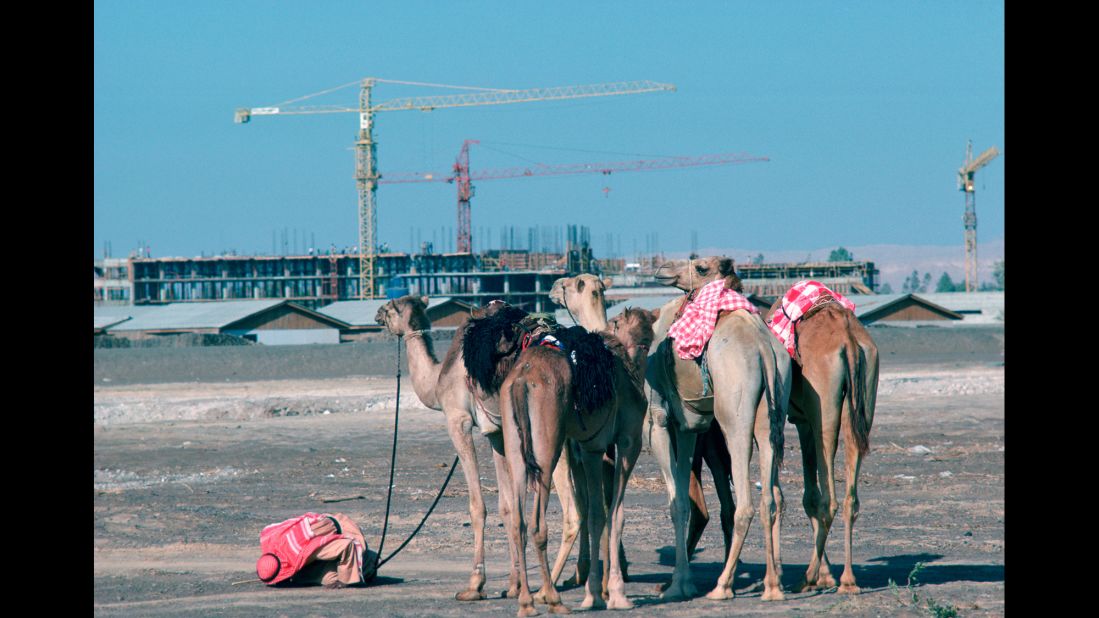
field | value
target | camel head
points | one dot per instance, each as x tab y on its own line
404	315
689	275
634	329
492	308
582	295
501	320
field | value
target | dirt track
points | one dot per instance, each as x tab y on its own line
187	473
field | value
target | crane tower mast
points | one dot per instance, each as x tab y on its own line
969	219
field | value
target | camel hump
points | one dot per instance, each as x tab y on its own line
592	366
486	341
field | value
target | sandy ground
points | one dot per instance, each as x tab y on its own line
186	474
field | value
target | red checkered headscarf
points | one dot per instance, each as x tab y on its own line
799	299
696	325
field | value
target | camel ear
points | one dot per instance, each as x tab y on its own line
656	314
424	300
607	283
725	266
579	285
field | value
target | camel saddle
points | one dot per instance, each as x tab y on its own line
532	327
690	377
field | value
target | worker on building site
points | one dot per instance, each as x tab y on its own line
326	549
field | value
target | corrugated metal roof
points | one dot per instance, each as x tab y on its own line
985	302
642	302
109	315
215	314
105	321
866	304
363	312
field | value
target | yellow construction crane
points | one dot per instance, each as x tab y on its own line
965	183
366	164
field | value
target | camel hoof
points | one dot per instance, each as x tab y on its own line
619	601
469	595
559	608
774	594
849	589
527	611
593	602
720	593
680	590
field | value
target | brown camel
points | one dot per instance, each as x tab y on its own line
835	368
751	386
446	386
591	392
583	297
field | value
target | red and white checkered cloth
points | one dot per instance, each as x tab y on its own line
696	325
795	303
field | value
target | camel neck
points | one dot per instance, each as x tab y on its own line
592	319
424	367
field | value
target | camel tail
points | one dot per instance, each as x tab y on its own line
858	404
775	413
519	406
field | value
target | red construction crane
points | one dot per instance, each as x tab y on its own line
464	178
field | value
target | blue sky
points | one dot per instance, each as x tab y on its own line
864	109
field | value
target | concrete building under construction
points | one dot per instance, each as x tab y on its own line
853	277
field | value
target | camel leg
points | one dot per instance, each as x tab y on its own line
716	456
518	529
628	449
810	498
503	483
460	427
768	508
780	506
826	478
659	441
580	508
540	534
608	496
596	524
700	516
682	587
850	511
570	521
739	443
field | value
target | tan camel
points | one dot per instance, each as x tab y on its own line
543	403
835	368
751	386
445	386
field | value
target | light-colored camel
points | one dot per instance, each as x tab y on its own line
835	369
751	386
445	386
541	408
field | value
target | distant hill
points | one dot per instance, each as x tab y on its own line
895	262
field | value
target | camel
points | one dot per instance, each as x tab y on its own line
592	392
446	386
751	386
583	297
835	368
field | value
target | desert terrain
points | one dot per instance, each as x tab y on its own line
197	449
